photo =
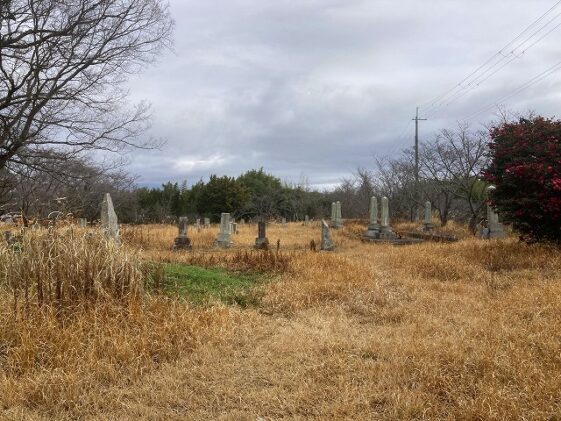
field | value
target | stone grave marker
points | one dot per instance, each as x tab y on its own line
373	231
427	223
109	221
386	231
326	241
261	242
223	240
494	228
182	241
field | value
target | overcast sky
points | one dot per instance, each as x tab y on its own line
313	89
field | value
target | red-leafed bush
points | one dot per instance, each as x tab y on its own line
526	169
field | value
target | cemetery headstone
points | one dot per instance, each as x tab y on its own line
82	222
182	242
386	231
109	221
207	222
338	216
427	223
373	231
223	239
283	222
306	221
494	227
326	241
261	242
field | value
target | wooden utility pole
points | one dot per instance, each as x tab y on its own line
416	196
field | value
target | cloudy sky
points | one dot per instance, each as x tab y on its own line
312	89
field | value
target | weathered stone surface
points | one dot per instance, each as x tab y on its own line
82	222
283	222
326	241
182	242
386	231
109	221
373	230
261	242
494	228
207	222
223	239
427	223
339	219
306	221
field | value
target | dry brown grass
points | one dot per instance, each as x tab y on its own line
470	330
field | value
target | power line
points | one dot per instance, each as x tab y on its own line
536	79
473	80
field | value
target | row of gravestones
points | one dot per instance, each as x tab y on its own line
376	230
381	229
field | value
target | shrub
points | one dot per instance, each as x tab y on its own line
526	169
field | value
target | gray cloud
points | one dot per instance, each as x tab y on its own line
317	88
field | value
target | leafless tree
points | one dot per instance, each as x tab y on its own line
453	163
63	64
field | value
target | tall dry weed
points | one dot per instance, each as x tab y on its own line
68	267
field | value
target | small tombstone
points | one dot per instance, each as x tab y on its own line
109	221
333	213
283	222
82	222
306	221
198	224
223	239
494	228
339	218
207	222
427	223
233	228
386	231
182	242
261	242
373	231
326	241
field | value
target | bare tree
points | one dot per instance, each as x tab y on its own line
63	64
453	163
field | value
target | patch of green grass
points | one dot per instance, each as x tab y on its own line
198	284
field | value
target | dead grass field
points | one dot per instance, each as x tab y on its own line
469	330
